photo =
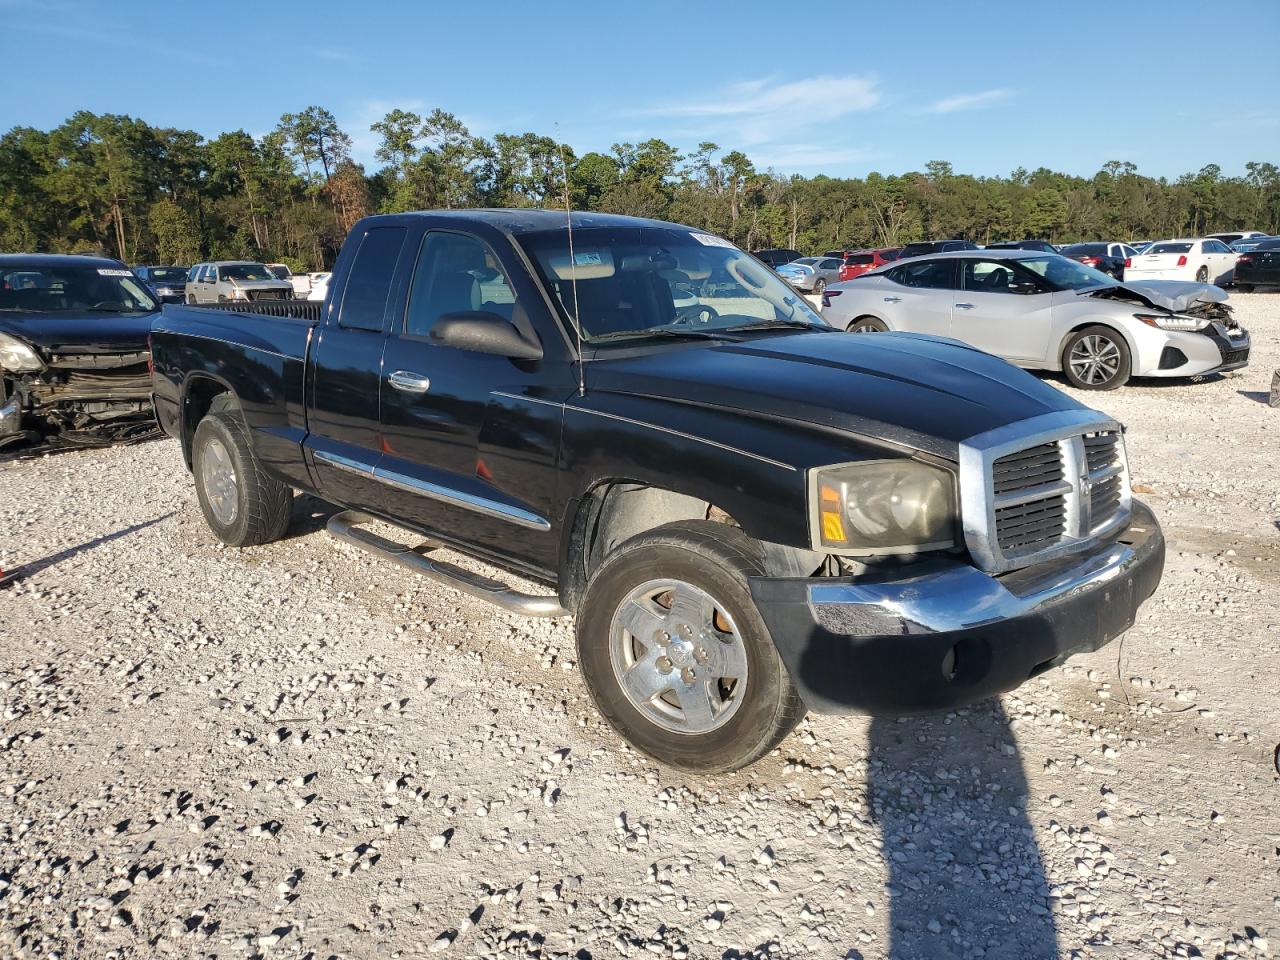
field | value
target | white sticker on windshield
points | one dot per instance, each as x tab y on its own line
102	272
587	259
708	240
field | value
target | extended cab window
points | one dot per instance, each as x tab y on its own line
455	273
930	274
369	281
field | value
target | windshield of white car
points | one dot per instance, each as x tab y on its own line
1168	248
41	288
634	282
249	272
1064	274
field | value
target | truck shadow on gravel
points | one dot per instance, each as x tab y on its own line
950	794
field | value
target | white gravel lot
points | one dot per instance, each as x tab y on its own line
297	751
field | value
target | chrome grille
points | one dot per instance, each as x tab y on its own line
1102	454
1042	488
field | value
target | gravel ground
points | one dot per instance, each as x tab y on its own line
297	751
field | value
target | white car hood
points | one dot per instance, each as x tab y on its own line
1174	295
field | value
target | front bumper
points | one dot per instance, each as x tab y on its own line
1172	353
942	634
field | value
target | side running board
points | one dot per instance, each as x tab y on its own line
346	526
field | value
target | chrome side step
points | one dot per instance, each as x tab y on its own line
346	526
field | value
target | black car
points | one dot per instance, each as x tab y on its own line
167	284
1107	257
748	512
73	347
1259	267
777	257
1044	246
923	247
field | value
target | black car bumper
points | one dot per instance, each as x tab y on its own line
943	634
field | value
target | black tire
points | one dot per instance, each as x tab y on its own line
1202	275
222	298
867	325
1245	287
262	504
818	286
191	300
1111	379
718	559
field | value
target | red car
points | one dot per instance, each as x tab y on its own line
860	261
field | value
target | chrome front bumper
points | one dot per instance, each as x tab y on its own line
942	633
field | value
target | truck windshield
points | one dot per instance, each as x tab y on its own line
629	282
1065	274
245	271
41	288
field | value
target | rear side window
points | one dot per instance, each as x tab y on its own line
829	265
930	274
369	283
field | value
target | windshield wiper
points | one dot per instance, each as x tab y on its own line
663	332
778	325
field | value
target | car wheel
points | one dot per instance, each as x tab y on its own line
868	325
191	300
675	654
1202	275
818	286
242	505
1096	358
1245	287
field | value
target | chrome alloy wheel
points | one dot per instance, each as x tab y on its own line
218	475
678	656
1094	359
865	327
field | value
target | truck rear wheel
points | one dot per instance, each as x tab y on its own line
675	654
242	505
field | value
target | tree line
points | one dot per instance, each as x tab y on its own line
117	185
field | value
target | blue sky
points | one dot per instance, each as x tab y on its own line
805	88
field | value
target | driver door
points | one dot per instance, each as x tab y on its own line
469	439
996	316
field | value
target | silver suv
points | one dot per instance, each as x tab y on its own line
225	280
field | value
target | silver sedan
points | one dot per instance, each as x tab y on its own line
811	274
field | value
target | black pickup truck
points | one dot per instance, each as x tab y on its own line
748	512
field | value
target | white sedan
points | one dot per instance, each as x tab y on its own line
1204	260
1047	312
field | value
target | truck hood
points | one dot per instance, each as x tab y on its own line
261	284
927	393
1175	295
70	332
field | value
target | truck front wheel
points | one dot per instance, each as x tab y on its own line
242	505
675	654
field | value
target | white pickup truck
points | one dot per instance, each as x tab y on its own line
301	281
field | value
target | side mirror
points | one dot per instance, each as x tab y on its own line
1023	286
482	331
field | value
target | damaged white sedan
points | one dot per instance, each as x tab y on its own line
1047	312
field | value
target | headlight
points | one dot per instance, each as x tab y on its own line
17	357
237	293
1172	321
882	506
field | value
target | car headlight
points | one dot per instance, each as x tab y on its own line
17	357
237	293
1172	321
882	506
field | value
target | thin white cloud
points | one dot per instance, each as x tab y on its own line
968	101
829	95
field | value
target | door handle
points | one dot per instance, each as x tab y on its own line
892	299
409	382
964	306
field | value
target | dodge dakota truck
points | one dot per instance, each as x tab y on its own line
749	513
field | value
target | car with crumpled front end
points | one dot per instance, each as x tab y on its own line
73	348
1049	312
